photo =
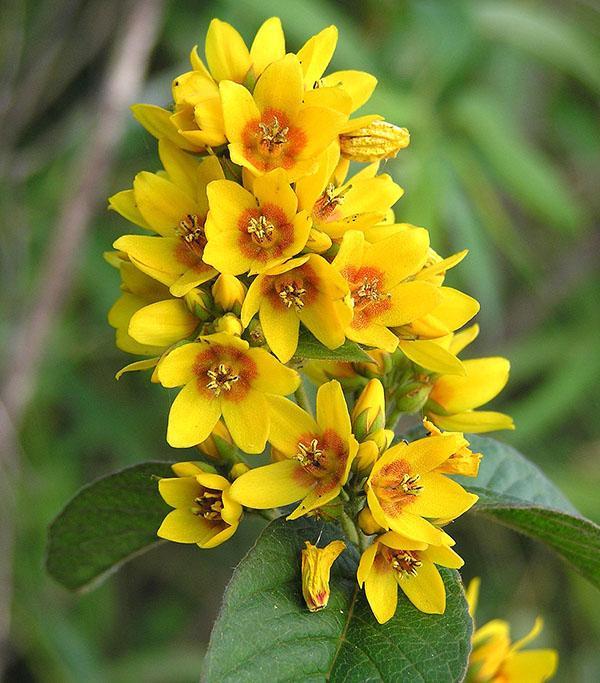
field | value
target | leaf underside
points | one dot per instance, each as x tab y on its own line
265	632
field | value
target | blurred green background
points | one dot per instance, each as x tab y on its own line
500	98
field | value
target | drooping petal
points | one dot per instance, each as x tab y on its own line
431	356
462	339
332	411
426	590
272	486
183	526
247	421
268	45
366	563
124	204
157	121
444	556
219	536
137	365
192	417
382	591
280	328
474	421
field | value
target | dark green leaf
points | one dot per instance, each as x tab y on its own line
310	347
264	631
106	523
514	492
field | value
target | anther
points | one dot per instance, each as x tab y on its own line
191	231
260	229
309	456
273	134
369	290
405	562
221	379
209	505
292	295
410	485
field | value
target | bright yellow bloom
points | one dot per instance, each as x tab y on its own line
494	659
379	279
204	511
396	561
406	486
272	127
253	232
318	455
453	399
222	376
175	206
306	289
464	461
316	568
340	205
372	142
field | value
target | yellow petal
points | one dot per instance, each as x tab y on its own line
483	380
163	323
238	109
441	497
183	526
374	335
422	455
453	311
288	424
462	339
534	666
226	52
332	411
153	255
228	201
327	320
536	629
320	126
177	367
124	204
426	590
316	54
274	188
268	45
188	468
398	542
192	417
252	301
314	500
382	591
162	204
431	356
280	87
247	421
410	300
271	486
474	421
399	256
366	563
273	377
358	84
440	267
138	365
218	537
179	492
193	277
472	594
157	121
181	167
280	328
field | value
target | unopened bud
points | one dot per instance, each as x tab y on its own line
366	457
382	438
380	365
378	140
229	293
412	396
316	569
367	522
368	414
238	469
318	241
200	303
230	324
209	446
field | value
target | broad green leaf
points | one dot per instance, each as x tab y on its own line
105	524
515	493
310	347
265	632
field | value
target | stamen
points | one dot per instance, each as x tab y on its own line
221	379
410	485
209	505
260	228
328	201
405	562
191	231
309	456
292	295
369	290
273	134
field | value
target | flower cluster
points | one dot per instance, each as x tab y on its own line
270	252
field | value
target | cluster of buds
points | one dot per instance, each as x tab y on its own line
260	232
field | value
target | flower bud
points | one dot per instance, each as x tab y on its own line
378	140
382	438
209	446
230	324
316	568
412	395
380	365
368	414
366	456
238	469
200	303
229	293
318	241
367	522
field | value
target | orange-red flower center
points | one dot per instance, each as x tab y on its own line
405	562
323	458
395	487
208	504
273	141
224	372
264	233
292	290
367	290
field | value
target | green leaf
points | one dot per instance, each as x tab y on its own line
310	347
515	493
265	632
105	524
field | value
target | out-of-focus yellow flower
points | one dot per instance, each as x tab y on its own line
318	453
373	142
316	569
175	206
273	127
382	292
305	290
494	659
405	487
204	512
244	237
222	376
394	561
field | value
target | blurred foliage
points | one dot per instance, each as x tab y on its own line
500	98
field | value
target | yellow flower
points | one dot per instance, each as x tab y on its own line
222	376
337	206
374	141
253	232
204	511
316	568
378	277
464	461
306	289
318	456
175	206
272	127
494	659
453	399
394	561
405	487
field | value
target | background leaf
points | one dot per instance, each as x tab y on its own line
341	643
106	523
310	347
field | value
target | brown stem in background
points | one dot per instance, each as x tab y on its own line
86	189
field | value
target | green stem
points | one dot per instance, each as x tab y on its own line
302	399
349	528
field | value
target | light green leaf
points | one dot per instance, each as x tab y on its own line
310	347
265	632
105	524
515	493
